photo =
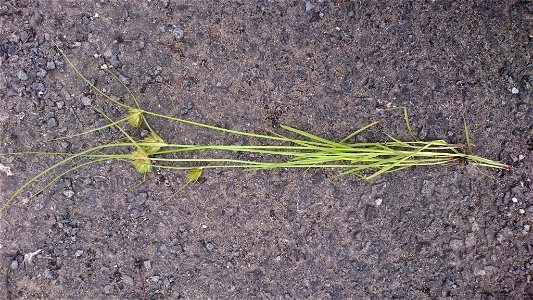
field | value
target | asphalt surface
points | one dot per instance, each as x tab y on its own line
328	67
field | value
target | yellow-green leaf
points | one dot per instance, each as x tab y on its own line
194	174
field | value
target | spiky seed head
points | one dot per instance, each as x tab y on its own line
135	117
194	174
153	138
141	162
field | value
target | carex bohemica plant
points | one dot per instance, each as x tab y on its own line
292	148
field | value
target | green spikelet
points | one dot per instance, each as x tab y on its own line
194	174
135	117
153	138
141	162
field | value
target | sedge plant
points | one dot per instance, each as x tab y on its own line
293	148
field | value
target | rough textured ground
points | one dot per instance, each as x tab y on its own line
451	232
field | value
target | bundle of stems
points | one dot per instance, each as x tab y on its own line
293	149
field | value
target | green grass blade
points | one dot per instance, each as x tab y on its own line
87	81
467	137
312	136
358	131
89	131
66	172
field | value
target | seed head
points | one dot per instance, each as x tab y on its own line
135	117
141	162
153	138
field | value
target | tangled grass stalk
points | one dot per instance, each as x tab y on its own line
293	149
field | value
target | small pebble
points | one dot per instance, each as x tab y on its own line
379	188
515	90
36	19
154	278
41	73
176	249
504	234
147	264
166	282
308	6
378	201
50	65
521	211
68	193
108	289
127	280
427	187
40	61
14	264
140	199
14	38
24	36
64	145
135	213
515	189
38	87
470	240
183	231
456	244
514	199
86	101
177	32
210	247
108	53
48	274
51	123
22	75
85	20
78	253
